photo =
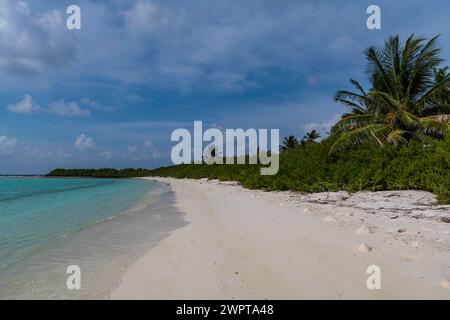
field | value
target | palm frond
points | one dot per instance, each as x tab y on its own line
423	65
435	111
397	136
376	68
434	128
358	87
386	98
438	88
353	121
371	134
407	119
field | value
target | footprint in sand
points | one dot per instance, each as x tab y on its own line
409	257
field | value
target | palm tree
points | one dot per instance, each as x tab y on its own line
311	136
211	153
407	99
290	142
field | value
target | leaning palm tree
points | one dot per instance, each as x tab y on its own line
290	142
407	99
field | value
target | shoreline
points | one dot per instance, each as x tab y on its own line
246	244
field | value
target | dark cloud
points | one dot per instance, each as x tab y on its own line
33	42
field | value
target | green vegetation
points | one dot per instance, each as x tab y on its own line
292	142
395	136
310	137
422	166
289	143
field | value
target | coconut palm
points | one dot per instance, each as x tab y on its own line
290	142
311	136
407	99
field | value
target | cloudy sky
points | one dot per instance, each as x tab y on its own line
111	93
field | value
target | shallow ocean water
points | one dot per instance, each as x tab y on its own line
100	225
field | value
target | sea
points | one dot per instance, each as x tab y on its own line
55	229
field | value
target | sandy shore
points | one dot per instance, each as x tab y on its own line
243	244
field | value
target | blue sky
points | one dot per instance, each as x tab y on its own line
111	93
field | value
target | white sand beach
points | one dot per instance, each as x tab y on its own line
244	244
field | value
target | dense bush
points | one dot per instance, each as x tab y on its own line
423	166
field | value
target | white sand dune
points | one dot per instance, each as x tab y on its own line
243	244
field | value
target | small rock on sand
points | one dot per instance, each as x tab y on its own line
445	284
364	248
362	230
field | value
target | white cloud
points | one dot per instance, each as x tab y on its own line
147	144
156	154
132	149
26	106
323	127
106	154
59	108
146	152
44	153
145	18
84	143
95	105
69	109
7	144
23	7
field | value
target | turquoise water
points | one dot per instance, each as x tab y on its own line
100	224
